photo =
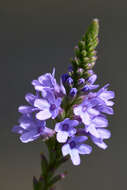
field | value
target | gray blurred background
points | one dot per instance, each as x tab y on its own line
35	36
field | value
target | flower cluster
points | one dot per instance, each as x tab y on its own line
74	122
77	108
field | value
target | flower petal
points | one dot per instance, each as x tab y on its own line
84	149
62	88
100	121
65	149
30	98
58	101
77	110
106	95
58	127
92	79
41	104
99	143
104	133
94	86
105	109
55	113
17	129
43	115
75	156
72	123
72	132
92	130
25	109
79	139
109	103
29	136
85	118
93	111
37	85
62	136
47	80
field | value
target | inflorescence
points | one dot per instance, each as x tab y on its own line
77	108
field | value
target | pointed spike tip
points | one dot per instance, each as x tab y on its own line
96	20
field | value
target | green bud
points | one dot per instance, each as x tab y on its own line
84	53
86	59
81	45
93	59
77	51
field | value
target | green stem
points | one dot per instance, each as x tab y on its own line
48	167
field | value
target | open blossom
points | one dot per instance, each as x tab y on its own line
74	147
86	111
97	123
90	83
94	104
65	129
30	129
48	82
104	97
97	132
103	134
48	108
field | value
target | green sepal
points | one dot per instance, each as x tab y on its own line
57	178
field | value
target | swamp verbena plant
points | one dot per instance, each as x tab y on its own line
77	110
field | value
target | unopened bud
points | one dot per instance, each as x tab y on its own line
69	81
73	92
80	71
81	81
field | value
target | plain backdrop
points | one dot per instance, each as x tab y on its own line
36	36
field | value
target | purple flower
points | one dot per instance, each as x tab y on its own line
97	123
30	129
90	83
94	104
48	108
105	96
104	134
74	147
86	111
48	82
65	129
97	132
45	81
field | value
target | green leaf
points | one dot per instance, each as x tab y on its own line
35	184
44	164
